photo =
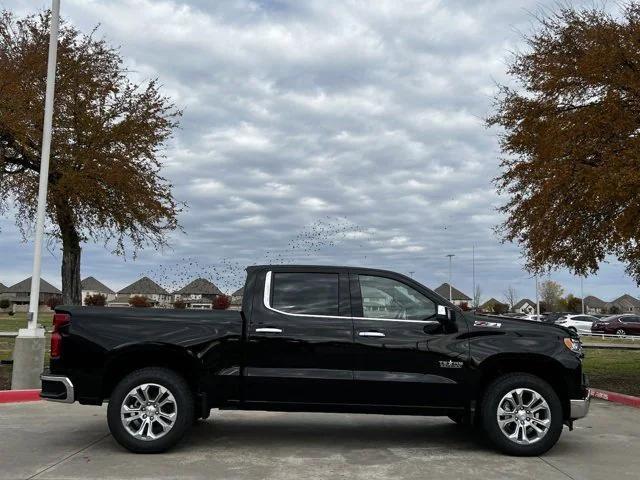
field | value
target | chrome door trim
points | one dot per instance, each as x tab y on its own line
268	330
371	334
267	304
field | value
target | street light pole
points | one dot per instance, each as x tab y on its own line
28	354
450	257
582	293
537	300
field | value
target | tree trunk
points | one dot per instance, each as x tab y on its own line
71	251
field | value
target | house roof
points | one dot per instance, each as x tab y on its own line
522	302
2	288
93	285
490	303
628	299
200	286
238	293
25	287
443	291
595	302
144	286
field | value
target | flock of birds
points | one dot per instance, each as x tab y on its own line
314	239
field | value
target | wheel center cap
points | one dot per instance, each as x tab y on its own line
151	410
521	414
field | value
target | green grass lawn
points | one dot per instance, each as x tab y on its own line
614	370
19	320
634	341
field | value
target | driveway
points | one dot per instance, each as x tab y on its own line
46	441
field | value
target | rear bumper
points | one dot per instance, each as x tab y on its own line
580	407
57	388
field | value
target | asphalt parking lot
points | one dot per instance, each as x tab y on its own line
54	441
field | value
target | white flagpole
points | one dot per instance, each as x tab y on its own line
29	347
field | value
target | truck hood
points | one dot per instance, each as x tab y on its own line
479	321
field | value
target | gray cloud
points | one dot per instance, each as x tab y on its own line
299	111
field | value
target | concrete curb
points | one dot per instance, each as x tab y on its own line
616	397
15	396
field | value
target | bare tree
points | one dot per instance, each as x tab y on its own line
477	295
511	296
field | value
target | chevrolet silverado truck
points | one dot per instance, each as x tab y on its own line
319	339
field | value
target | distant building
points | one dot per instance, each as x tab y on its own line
2	288
91	286
625	304
594	305
236	298
145	287
457	297
199	294
494	306
20	293
525	306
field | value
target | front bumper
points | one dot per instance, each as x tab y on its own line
580	407
57	388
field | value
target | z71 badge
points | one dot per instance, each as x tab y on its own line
450	364
482	323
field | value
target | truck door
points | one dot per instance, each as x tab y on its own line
406	353
300	338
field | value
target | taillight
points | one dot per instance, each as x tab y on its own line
59	321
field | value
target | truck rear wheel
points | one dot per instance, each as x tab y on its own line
521	414
150	410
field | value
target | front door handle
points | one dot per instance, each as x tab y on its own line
371	334
268	330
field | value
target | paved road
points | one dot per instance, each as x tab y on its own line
52	441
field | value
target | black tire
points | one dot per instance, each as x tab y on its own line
181	392
495	392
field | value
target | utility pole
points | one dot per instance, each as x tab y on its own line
450	257
411	274
473	270
582	293
28	353
537	299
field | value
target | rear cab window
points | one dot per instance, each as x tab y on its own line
312	293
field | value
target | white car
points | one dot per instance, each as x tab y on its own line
577	323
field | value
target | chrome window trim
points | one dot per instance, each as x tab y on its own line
267	304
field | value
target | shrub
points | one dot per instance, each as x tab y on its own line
97	300
139	301
5	303
179	304
222	302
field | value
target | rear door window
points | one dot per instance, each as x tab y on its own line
306	293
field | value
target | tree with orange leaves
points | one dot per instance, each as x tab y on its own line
571	139
106	152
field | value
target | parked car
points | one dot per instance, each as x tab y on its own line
319	339
577	323
626	324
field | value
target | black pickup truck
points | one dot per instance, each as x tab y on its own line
321	339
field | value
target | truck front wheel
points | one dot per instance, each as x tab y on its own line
150	410
521	414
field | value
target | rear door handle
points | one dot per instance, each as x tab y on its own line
268	330
371	334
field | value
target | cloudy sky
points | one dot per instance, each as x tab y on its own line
346	132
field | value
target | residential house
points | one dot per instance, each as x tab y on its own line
594	305
236	299
494	306
625	304
525	306
457	297
2	288
20	293
91	286
145	287
198	294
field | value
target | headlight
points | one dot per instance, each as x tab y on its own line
574	345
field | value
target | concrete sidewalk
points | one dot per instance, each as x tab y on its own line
54	441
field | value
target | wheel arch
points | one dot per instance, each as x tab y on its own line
128	359
544	367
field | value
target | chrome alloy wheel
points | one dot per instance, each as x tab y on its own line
524	416
148	411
